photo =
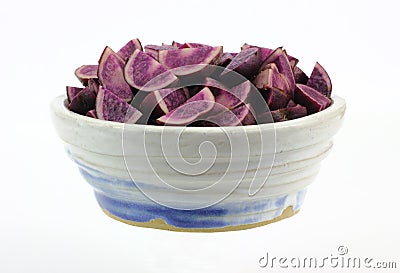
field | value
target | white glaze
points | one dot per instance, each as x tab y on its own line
301	145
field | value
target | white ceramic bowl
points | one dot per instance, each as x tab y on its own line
111	155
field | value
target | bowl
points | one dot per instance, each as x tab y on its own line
198	179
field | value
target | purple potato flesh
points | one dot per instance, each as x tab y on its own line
189	112
229	97
144	73
158	47
176	44
215	86
292	60
281	60
83	101
289	113
268	78
313	100
212	83
291	103
111	74
72	92
265	117
185	45
187	60
183	87
239	116
320	81
203	94
275	98
272	78
86	72
264	79
127	50
192	45
246	62
94	85
112	108
264	52
280	81
299	75
249	118
234	96
153	50
163	101
226	58
92	113
273	67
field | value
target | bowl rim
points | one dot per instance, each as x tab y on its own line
58	107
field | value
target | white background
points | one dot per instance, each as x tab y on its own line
50	221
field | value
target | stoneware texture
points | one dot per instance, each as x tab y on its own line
110	165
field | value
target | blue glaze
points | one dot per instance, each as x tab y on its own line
280	202
300	199
123	199
130	210
106	182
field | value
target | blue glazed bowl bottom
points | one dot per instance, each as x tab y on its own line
123	201
159	223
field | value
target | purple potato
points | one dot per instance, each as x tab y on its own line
280	81
112	108
92	113
86	72
264	79
264	52
273	67
83	101
127	50
152	50
289	113
94	85
291	103
176	44
241	115
281	60
275	98
111	74
72	92
192	45
214	85
292	60
163	101
299	75
234	96
246	62
226	58
320	81
229	97
264	117
192	110
144	73
189	60
313	100
108	87
271	77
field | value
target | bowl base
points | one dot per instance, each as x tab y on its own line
161	224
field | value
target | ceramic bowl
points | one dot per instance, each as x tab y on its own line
139	176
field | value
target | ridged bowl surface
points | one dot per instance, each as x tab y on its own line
123	162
